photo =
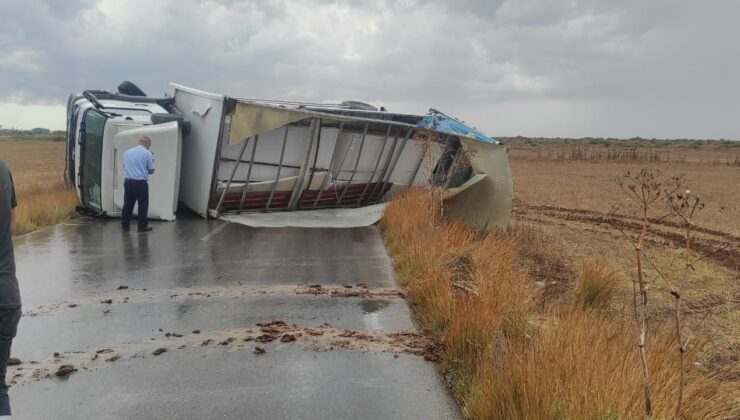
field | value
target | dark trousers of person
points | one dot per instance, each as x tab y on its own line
135	190
8	327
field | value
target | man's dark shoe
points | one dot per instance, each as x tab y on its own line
145	229
125	228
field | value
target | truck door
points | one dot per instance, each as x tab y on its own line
164	184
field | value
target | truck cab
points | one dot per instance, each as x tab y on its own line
100	127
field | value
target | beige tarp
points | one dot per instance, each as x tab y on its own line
487	203
324	218
249	119
453	191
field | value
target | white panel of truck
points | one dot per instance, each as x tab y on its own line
199	152
165	182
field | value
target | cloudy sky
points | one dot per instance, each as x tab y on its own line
650	68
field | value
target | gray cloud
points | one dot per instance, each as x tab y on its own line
570	67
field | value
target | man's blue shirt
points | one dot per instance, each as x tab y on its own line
137	163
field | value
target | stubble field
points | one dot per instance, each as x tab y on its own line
38	167
572	203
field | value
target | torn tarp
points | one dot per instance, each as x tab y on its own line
443	123
250	119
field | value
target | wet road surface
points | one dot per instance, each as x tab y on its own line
197	289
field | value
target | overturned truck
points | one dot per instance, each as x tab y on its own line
218	155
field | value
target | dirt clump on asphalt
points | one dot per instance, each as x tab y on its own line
417	344
258	350
13	361
313	332
113	358
347	290
275	323
265	338
359	335
287	338
270	330
65	370
159	351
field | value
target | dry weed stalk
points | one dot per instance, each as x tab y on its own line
645	192
684	207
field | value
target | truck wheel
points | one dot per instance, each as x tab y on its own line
128	88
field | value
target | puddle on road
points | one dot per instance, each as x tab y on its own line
370	306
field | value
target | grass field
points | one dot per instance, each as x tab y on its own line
38	167
537	322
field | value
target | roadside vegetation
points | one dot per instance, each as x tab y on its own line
527	332
37	166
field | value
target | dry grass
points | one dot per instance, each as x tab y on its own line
507	357
582	365
567	203
44	206
37	167
597	285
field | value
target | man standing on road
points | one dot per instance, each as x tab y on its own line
10	299
138	164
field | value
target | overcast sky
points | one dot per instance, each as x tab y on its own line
535	68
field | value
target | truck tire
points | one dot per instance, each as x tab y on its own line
128	88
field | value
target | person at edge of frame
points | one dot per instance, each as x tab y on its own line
10	299
138	164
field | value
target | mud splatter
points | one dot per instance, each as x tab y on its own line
317	338
65	370
345	292
131	295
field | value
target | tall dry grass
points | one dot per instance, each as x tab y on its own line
506	357
43	205
582	365
37	167
597	285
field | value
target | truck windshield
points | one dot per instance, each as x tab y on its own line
91	159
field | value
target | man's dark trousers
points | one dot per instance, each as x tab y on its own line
135	190
8	326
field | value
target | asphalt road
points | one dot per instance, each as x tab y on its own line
197	289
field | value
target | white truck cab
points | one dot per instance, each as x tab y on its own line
100	128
